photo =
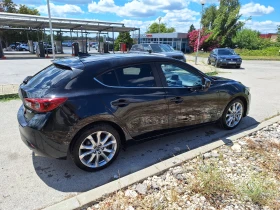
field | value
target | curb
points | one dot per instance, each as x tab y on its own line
8	89
94	195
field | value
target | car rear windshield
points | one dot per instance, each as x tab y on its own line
50	77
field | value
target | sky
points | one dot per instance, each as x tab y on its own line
180	14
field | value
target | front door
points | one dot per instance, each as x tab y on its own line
188	103
134	94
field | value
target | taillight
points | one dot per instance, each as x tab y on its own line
43	104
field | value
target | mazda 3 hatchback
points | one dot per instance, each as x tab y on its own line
88	108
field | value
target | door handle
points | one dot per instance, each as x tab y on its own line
120	103
177	100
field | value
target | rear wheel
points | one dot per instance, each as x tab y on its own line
233	114
96	148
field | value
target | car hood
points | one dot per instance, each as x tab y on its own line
229	56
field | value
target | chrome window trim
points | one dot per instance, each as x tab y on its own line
138	87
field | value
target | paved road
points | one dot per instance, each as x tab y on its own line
28	181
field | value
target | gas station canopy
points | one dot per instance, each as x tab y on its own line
40	22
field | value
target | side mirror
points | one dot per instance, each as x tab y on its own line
207	84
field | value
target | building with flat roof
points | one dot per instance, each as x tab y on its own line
179	41
271	36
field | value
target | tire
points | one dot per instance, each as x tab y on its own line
237	116
217	64
238	66
208	62
85	147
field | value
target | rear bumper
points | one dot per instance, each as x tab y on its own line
36	140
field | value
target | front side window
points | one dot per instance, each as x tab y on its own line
180	77
136	76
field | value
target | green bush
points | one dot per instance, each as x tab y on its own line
269	51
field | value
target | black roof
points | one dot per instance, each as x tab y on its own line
100	63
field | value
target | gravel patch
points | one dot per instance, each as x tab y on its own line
245	175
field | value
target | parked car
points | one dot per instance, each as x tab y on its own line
90	107
23	47
158	49
14	45
66	44
224	57
48	48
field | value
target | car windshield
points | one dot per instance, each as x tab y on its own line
161	48
226	52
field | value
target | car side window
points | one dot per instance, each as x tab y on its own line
109	78
136	76
177	76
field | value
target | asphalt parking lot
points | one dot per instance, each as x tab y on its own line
28	181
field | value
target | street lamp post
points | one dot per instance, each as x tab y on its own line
159	19
50	23
199	33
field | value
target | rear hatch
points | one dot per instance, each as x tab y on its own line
52	77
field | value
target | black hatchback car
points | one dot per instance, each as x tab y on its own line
224	57
89	107
158	49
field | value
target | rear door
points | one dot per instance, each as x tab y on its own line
134	94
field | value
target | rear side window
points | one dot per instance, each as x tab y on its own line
50	77
108	78
136	76
132	76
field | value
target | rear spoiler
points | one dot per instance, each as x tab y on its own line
69	64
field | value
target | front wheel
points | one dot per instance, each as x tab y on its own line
96	148
217	65
233	114
208	61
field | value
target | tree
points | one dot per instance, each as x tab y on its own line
226	23
154	28
8	6
10	36
209	16
204	43
192	28
23	9
124	37
248	39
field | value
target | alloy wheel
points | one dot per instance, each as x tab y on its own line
97	149
234	114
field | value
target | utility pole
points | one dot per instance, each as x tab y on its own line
50	23
199	33
159	19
